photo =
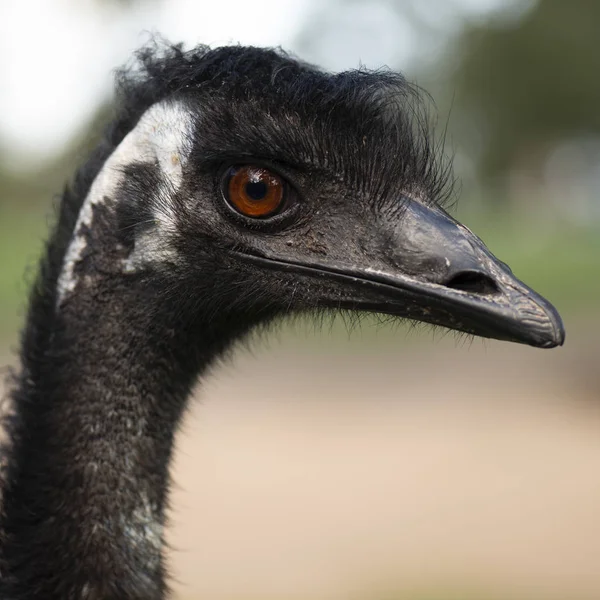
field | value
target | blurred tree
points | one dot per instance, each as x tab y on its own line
532	84
521	75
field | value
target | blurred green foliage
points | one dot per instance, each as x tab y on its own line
532	83
21	235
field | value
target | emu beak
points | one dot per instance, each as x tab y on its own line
436	270
420	264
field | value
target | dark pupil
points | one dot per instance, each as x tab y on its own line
256	190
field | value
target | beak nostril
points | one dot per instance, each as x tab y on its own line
474	282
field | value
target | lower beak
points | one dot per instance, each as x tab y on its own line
509	311
512	311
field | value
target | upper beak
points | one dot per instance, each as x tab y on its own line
438	271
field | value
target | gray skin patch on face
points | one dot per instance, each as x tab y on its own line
162	137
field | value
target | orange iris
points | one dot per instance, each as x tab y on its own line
255	191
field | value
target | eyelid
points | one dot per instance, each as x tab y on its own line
284	170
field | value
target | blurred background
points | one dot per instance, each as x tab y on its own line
373	464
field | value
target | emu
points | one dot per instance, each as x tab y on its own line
234	187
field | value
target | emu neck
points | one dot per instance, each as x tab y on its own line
85	498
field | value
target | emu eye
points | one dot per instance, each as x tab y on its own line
254	191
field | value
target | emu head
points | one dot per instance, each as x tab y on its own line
253	185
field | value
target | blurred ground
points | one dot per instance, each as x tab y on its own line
390	470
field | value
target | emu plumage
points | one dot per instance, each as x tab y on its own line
151	273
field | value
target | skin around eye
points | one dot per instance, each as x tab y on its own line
255	191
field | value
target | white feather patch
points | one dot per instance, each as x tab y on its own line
144	531
162	136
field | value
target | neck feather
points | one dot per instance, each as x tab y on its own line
103	385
